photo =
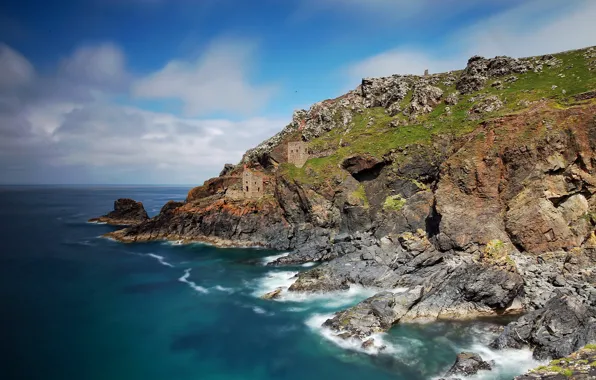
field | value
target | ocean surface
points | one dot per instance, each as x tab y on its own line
74	305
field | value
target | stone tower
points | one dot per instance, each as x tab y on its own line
297	153
252	184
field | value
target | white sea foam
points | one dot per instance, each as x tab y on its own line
270	259
160	259
259	310
330	300
194	286
224	289
306	265
507	362
96	222
381	345
174	242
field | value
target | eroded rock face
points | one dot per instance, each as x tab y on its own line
563	326
127	212
467	364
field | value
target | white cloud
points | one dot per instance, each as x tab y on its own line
97	65
15	70
532	28
61	127
520	32
216	82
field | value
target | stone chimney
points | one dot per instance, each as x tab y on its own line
426	72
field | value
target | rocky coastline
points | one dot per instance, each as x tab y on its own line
459	195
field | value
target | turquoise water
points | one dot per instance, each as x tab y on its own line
76	306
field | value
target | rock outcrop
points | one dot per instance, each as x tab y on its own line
563	326
580	365
127	212
374	315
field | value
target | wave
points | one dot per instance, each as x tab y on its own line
224	289
270	259
508	363
160	259
311	264
328	300
194	286
381	345
95	222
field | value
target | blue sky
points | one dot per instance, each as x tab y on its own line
167	91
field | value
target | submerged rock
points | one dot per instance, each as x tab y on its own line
468	363
563	326
273	294
127	212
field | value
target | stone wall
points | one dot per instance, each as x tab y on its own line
297	153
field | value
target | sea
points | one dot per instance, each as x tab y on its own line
74	305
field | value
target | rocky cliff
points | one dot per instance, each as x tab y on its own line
474	189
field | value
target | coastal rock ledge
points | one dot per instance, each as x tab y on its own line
127	212
456	195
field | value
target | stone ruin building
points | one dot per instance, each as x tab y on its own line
252	184
297	153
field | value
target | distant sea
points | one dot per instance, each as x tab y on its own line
74	305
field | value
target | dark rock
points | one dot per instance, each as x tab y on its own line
227	169
170	206
375	314
468	363
563	326
358	164
126	212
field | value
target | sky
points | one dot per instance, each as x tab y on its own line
168	91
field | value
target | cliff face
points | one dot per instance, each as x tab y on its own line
475	185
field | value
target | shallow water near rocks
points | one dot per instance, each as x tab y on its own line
75	306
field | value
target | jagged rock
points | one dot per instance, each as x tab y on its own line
273	294
424	98
227	169
452	99
480	69
384	92
373	315
467	364
126	212
577	366
489	104
563	326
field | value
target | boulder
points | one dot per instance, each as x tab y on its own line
126	212
466	364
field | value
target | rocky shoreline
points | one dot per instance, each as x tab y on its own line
463	194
